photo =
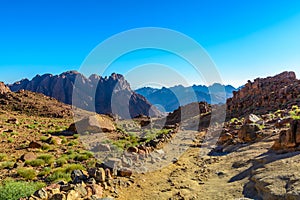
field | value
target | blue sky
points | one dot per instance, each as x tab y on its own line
245	39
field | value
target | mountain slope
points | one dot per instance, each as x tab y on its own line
108	95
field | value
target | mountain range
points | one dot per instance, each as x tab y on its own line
104	95
171	98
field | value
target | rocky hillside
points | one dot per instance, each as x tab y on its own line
171	98
265	95
94	93
30	103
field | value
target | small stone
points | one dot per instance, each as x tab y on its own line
58	197
97	190
80	189
73	195
77	176
100	175
12	121
125	172
35	145
42	194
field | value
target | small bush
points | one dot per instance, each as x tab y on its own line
61	161
49	159
44	138
64	173
64	139
73	143
46	147
3	156
76	136
35	163
45	171
12	190
27	173
59	175
10	140
7	165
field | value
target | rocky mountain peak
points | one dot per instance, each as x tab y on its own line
93	93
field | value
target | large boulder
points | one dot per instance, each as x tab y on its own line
93	124
289	138
248	133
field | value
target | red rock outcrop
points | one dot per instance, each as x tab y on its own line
265	95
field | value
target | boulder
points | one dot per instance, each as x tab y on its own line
250	119
225	137
93	124
28	156
77	176
124	172
41	194
289	138
58	197
35	145
248	133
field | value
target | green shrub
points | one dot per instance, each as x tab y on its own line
76	136
45	171
46	147
73	143
59	175
64	139
44	138
7	165
3	156
64	173
71	167
61	161
49	159
13	190
27	173
35	163
10	140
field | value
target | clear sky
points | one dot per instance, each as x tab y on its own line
246	39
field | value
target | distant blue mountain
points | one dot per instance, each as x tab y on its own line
171	98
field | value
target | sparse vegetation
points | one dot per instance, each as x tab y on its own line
48	158
3	156
6	165
35	163
64	173
12	190
27	173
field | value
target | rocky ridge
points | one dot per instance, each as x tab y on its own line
265	95
105	95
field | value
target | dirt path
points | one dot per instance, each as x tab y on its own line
196	177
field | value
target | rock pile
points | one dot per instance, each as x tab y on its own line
84	185
265	95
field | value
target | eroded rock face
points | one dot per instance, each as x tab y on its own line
265	95
3	88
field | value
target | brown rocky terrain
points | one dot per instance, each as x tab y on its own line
95	93
265	95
